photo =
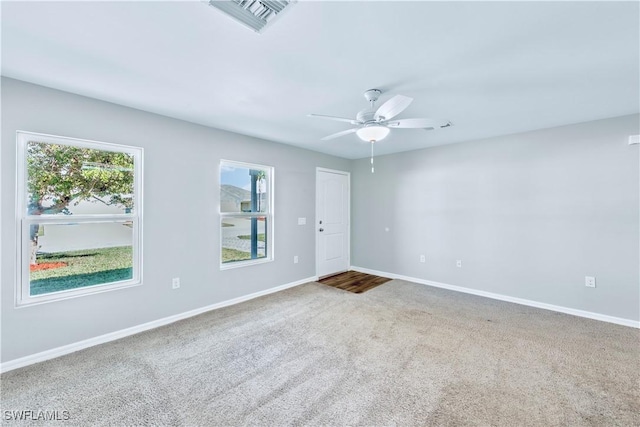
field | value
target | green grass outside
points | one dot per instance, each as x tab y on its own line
231	255
248	236
85	268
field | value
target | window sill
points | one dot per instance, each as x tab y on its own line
238	264
75	293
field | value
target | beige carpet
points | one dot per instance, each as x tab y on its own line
400	354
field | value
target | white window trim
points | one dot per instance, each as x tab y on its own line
23	221
269	215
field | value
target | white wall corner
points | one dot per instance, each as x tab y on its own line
634	139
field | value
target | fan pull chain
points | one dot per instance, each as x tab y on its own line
372	169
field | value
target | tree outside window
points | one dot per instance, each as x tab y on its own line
80	212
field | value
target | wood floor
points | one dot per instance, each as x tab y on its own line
354	281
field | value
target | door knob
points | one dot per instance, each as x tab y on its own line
321	230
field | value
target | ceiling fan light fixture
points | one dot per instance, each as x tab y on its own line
373	133
374	124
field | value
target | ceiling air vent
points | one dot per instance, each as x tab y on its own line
255	14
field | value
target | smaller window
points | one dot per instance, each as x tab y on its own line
246	214
79	212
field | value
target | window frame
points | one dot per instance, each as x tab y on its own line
24	220
268	214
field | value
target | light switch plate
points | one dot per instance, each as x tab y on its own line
302	221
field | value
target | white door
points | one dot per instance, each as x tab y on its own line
332	222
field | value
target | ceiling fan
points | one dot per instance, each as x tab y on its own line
375	124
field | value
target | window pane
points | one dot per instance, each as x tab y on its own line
63	179
236	183
244	238
71	256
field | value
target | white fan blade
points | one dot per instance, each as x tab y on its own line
339	119
393	107
419	124
339	134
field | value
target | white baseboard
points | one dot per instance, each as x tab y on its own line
522	301
112	336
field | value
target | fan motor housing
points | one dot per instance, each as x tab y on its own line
365	116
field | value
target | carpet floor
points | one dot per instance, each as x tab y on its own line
399	354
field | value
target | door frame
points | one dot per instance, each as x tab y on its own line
315	222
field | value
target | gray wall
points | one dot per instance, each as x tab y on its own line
529	215
181	232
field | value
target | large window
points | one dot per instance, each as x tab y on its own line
246	214
79	212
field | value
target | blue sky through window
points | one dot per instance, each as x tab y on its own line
238	177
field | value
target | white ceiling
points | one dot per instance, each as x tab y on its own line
492	68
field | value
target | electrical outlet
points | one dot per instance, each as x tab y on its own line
295	259
459	263
175	283
423	258
302	221
589	281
